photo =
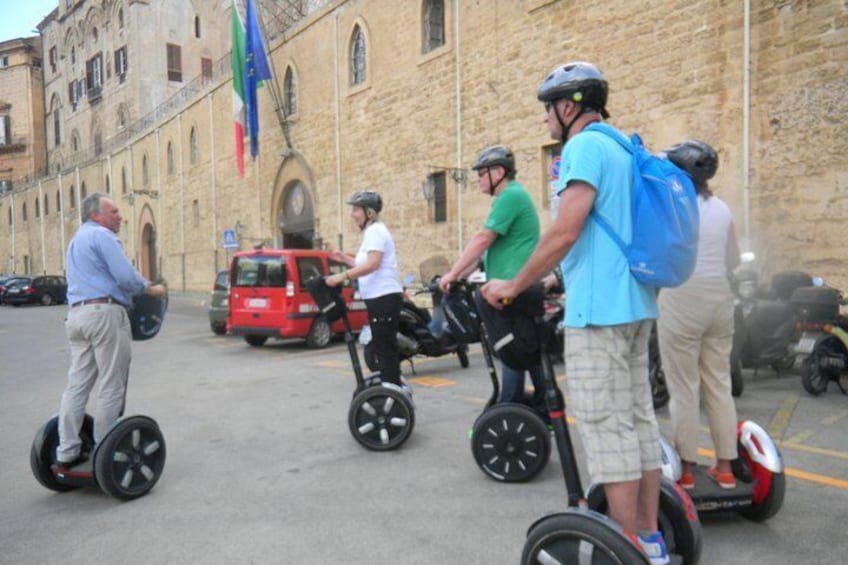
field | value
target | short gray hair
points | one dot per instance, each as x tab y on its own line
91	204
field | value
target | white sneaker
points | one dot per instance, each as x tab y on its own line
654	547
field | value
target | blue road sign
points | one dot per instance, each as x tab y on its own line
229	240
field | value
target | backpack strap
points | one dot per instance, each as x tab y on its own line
630	145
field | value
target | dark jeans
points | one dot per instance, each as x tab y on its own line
384	318
512	387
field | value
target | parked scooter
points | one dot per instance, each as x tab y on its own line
416	336
764	320
824	339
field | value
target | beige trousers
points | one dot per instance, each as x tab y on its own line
695	332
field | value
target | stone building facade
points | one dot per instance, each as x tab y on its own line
401	99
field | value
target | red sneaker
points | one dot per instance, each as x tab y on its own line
687	481
724	480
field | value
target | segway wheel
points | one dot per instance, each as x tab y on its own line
677	519
510	443
43	452
768	488
381	417
575	537
130	459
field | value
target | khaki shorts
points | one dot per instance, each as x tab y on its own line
610	397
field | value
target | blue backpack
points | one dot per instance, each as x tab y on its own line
664	245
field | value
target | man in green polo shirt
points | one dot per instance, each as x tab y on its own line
507	239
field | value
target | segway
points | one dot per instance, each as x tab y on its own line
382	415
583	533
510	441
130	458
759	473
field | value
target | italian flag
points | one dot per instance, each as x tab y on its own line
238	87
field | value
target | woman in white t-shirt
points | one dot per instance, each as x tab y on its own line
375	266
695	327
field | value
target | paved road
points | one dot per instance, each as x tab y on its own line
261	467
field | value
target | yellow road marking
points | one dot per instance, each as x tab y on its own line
798	438
815	450
781	418
330	364
830	420
432	382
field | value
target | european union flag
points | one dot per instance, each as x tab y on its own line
256	70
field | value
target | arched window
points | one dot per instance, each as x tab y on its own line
46	207
121	18
290	92
197	26
170	153
10	215
75	142
98	143
123	180
57	127
58	202
192	146
433	21
83	191
37	207
357	57
73	199
24	212
108	186
144	178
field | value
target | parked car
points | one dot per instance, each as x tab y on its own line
44	290
218	303
7	281
268	297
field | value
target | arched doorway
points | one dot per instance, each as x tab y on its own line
148	264
296	217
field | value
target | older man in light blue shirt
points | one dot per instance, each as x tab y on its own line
101	284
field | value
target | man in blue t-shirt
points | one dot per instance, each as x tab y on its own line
608	313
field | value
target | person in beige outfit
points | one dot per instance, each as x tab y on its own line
695	327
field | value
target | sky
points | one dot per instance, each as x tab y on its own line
18	18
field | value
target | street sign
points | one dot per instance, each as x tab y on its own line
229	240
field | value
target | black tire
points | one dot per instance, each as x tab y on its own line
679	525
130	459
320	334
462	353
256	340
217	328
563	538
510	443
43	452
370	358
381	418
46	299
814	376
737	383
771	504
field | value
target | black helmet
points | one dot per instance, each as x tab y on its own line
146	315
579	82
695	157
367	199
493	156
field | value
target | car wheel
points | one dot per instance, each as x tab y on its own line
320	334
46	299
255	340
218	328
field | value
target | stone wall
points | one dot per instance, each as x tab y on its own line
675	70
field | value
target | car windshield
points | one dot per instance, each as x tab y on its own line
17	282
259	270
221	280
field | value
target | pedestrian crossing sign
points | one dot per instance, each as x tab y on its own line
229	241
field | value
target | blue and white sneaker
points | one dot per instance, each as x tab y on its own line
653	545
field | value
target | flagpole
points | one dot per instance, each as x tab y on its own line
279	107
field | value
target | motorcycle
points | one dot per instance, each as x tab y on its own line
823	345
418	335
764	320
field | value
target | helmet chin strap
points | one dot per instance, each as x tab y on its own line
567	128
492	187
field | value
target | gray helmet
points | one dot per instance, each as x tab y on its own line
367	199
695	157
579	82
495	155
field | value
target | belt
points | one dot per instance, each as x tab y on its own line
99	300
